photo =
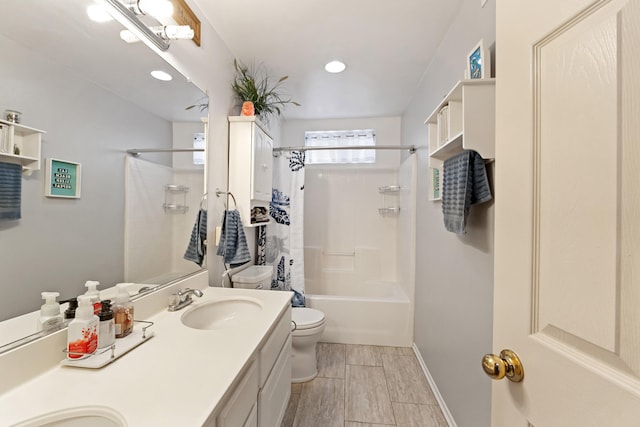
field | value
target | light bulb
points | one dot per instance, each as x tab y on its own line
156	8
97	13
178	32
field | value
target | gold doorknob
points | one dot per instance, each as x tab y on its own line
507	364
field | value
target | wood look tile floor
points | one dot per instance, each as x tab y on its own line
364	386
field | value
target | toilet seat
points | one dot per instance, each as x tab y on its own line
306	318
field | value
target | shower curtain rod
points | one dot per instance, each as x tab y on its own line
137	151
411	148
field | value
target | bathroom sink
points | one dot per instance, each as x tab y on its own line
221	313
94	416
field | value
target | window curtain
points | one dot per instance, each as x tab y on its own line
340	138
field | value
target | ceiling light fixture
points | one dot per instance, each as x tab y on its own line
161	75
335	67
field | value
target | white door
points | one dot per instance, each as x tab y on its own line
567	185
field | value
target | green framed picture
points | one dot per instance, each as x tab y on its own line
63	179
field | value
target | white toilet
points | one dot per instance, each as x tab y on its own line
308	323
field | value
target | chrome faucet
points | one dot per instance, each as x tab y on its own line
183	298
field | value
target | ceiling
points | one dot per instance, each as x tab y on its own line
386	45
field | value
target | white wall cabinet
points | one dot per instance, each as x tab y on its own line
250	165
20	144
464	120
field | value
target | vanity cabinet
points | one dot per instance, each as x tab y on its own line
20	144
261	393
463	120
250	165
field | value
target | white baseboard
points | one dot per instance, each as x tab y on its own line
443	406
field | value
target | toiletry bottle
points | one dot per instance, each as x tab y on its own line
70	312
83	330
50	316
106	330
92	291
123	311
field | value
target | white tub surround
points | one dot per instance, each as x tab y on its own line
181	376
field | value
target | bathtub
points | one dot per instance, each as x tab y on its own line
369	312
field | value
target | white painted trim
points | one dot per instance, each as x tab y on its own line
443	406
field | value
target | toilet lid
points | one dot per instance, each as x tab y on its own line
306	318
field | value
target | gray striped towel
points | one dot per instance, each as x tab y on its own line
233	243
464	184
10	191
197	247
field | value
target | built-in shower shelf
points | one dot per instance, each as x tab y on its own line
389	211
389	189
175	198
176	208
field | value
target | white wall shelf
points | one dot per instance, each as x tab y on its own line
463	120
25	139
250	165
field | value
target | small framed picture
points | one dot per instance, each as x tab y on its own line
478	62
63	179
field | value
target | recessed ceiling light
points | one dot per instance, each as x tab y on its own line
335	67
161	75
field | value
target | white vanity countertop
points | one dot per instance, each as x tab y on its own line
177	378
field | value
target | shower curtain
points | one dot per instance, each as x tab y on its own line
282	239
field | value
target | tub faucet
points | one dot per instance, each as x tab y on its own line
183	298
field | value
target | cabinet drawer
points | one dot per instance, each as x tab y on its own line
237	409
271	349
274	396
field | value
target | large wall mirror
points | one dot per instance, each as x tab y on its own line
94	96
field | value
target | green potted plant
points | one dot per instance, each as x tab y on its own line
253	84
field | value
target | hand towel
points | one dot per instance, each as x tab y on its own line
464	183
197	247
10	191
233	243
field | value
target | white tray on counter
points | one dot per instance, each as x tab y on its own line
122	346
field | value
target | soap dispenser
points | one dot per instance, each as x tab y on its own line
106	329
83	330
50	315
92	291
123	311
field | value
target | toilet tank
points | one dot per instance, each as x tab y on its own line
254	277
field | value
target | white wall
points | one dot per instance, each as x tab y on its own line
454	274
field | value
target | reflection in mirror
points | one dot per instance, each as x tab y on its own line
93	96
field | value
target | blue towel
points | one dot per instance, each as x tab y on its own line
464	184
233	243
197	247
10	191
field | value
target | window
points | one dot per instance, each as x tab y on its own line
340	138
198	142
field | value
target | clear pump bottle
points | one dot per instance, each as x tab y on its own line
50	315
123	311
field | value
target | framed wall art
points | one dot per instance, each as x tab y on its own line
63	179
478	62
